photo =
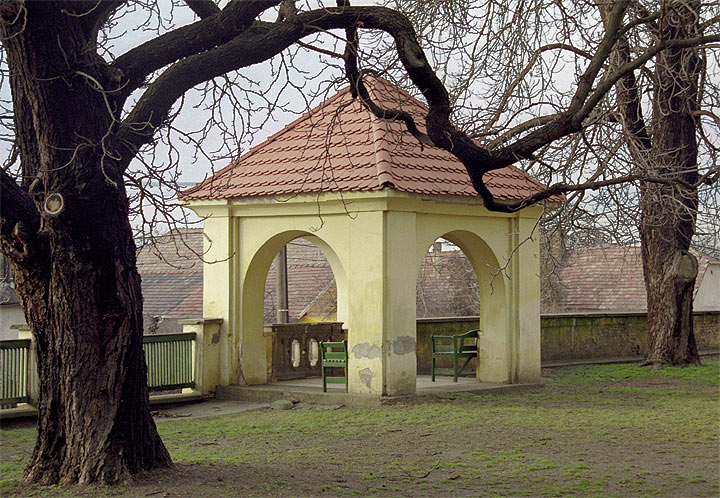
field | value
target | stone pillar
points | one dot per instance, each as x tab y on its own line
240	361
365	304
527	362
399	341
206	352
523	303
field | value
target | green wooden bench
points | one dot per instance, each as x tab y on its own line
334	355
455	347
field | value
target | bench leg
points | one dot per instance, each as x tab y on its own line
455	368
432	369
467	361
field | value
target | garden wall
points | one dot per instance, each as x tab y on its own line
575	336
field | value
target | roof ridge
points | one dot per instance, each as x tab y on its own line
316	298
383	161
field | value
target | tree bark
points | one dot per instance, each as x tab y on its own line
668	212
74	258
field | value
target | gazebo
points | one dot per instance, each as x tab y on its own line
373	200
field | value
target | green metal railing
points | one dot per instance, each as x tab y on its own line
169	359
14	358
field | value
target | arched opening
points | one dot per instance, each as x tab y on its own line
460	287
447	285
315	287
447	297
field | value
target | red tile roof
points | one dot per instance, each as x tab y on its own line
308	274
446	286
607	279
341	146
171	270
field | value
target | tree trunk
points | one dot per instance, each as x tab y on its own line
668	212
94	418
74	257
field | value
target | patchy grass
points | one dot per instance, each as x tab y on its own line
705	375
610	430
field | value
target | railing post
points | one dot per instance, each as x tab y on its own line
206	352
33	380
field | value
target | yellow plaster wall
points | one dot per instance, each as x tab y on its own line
374	242
219	289
528	256
366	306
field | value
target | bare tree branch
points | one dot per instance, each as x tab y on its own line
16	206
203	8
209	32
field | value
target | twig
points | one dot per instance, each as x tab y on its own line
432	469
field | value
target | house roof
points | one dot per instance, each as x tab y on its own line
171	269
340	146
607	279
173	295
308	274
446	286
178	251
8	296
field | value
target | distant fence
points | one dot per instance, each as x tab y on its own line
169	359
14	372
591	335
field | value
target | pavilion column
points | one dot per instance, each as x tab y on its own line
400	345
527	360
381	304
219	292
523	303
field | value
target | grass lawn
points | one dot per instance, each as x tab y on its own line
611	430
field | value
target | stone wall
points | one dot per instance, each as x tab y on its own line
574	336
603	335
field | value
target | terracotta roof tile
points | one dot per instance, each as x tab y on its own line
340	146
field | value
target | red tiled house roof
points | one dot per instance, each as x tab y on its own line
172	280
171	270
341	146
309	273
607	279
594	279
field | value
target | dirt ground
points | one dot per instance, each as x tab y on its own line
655	436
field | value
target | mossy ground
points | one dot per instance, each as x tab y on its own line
611	430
